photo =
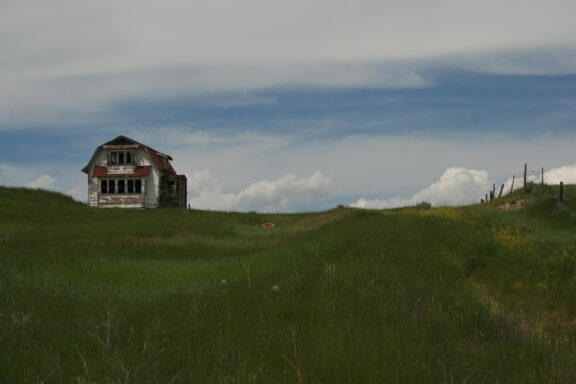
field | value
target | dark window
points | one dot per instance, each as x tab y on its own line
113	157
111	186
120	157
121	186
128	158
172	187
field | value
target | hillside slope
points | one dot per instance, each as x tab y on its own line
474	294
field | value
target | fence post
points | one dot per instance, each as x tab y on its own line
525	175
501	190
512	185
561	191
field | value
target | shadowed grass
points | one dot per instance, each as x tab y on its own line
346	296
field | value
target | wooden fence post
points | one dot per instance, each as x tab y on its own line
561	191
525	175
501	190
512	186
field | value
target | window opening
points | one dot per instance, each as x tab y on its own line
172	187
111	186
121	157
121	186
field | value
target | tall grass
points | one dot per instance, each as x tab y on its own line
345	296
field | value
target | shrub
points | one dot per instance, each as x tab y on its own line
423	205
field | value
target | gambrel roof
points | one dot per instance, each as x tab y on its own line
161	160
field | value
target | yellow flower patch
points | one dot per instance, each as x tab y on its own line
511	238
444	212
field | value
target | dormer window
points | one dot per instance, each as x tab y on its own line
121	157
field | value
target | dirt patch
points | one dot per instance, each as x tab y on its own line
514	204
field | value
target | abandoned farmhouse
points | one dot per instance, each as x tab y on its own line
124	173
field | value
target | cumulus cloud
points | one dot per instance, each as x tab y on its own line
457	186
362	165
42	182
278	195
79	192
565	174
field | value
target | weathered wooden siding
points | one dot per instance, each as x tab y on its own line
143	158
99	160
152	189
93	191
121	201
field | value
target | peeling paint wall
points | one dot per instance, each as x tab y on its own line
152	189
122	201
93	191
148	199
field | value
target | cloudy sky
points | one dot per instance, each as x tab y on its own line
293	105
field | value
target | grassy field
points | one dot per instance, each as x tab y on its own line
443	295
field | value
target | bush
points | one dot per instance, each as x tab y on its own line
423	205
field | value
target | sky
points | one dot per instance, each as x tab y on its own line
293	106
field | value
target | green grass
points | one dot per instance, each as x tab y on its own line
475	294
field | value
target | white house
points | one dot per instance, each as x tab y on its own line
124	173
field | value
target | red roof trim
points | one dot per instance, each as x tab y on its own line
162	161
101	171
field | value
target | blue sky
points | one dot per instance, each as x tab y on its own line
294	107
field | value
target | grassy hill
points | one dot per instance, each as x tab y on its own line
475	294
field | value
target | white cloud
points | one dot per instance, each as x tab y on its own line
461	186
140	48
263	196
63	177
42	182
202	181
457	186
360	165
79	192
565	174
